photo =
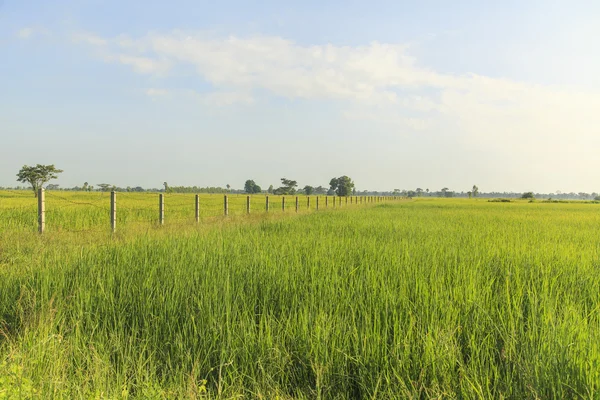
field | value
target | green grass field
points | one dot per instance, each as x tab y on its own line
431	298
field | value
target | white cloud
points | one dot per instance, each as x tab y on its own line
142	65
225	98
153	92
381	80
25	33
389	117
29	32
89	38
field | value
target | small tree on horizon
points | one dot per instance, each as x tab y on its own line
528	195
105	187
288	187
251	187
38	176
342	186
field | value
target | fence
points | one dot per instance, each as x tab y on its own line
120	208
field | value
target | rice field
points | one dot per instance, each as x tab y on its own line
89	211
433	298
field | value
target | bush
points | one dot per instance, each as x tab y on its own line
528	195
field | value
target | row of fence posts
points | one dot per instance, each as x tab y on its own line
161	206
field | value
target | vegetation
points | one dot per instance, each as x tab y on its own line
528	195
251	187
431	298
342	186
38	176
288	186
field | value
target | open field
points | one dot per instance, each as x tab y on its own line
85	211
430	298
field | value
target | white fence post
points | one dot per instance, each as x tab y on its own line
41	210
113	211
161	209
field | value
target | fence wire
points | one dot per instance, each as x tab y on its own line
92	214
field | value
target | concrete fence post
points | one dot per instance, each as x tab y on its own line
297	204
161	209
197	208
41	210
267	203
247	204
113	211
225	205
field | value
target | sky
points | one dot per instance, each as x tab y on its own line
394	94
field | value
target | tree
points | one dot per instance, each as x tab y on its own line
475	191
320	190
308	190
288	186
38	176
105	187
419	192
228	187
270	189
251	187
85	187
469	194
527	195
342	186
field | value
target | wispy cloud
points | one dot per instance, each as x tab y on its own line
225	98
382	80
144	65
89	38
29	32
153	92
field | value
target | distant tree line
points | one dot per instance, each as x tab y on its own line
342	186
39	175
474	192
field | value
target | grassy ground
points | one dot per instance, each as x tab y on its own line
432	298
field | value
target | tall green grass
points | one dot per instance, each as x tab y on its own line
89	211
425	299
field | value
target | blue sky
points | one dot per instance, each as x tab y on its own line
394	94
